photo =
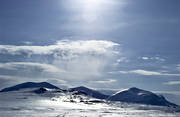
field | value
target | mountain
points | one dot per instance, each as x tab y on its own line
40	90
175	98
29	85
132	95
135	95
90	92
107	91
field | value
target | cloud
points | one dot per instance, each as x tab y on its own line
71	61
145	58
103	83
27	65
155	58
28	43
9	80
121	60
108	81
172	83
63	47
145	72
30	71
84	59
178	67
168	92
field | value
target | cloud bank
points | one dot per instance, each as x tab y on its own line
63	46
70	61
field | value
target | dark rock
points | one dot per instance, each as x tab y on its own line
40	90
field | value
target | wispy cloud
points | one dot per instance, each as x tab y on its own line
155	58
121	60
172	83
30	65
178	67
71	60
168	92
145	58
145	72
108	81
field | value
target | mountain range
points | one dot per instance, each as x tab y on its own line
132	95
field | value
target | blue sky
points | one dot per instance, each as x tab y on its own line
97	43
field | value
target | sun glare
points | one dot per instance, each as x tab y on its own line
92	3
91	9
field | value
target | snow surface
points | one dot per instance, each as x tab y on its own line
26	104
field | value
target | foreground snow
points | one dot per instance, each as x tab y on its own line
23	104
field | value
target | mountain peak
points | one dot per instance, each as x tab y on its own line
29	85
83	87
134	89
136	95
90	92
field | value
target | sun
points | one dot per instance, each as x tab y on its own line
93	3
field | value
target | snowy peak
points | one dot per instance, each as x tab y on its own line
139	92
134	89
132	95
135	95
29	85
90	92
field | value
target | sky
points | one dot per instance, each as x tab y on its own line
105	44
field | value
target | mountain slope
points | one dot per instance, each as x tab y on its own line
29	85
135	95
132	95
90	92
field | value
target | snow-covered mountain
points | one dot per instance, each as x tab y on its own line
90	92
135	95
30	85
44	99
132	95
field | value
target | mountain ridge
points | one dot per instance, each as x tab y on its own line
131	95
29	85
90	92
136	95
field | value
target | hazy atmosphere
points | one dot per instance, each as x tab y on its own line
102	44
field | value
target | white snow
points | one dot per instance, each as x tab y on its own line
21	104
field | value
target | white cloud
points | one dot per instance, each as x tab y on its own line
83	67
145	58
172	83
72	60
85	59
27	65
28	42
103	83
121	60
123	72
145	72
108	81
156	58
63	47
